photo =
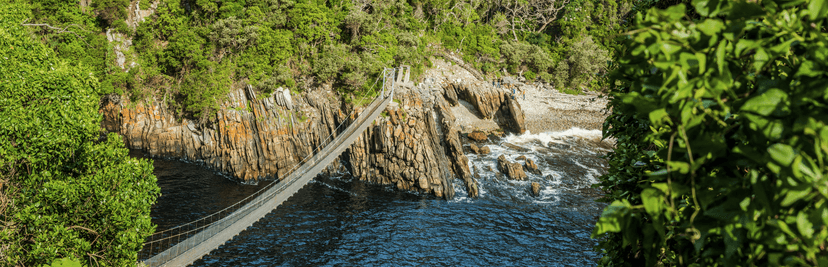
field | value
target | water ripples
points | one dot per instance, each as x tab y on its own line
337	221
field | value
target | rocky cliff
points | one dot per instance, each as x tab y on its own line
414	146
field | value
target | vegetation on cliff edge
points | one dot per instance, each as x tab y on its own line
190	53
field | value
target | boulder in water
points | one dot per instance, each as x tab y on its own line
478	136
474	149
485	150
521	158
535	189
531	167
513	170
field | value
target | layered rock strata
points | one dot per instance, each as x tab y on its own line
250	137
416	143
414	146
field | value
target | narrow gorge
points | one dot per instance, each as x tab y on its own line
416	145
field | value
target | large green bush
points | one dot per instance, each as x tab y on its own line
72	195
722	155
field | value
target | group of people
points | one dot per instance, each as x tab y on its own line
515	90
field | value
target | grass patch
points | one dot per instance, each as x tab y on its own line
571	91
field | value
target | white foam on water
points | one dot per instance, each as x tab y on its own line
334	188
546	137
592	173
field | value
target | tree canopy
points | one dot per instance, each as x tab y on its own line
68	191
720	121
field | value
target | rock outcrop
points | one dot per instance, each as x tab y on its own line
490	102
513	170
250	138
485	150
478	136
531	167
416	147
535	189
474	149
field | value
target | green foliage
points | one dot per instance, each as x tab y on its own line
229	33
66	262
530	75
121	26
74	196
144	4
298	44
111	10
205	87
722	138
561	76
587	61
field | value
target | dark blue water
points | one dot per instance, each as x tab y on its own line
340	222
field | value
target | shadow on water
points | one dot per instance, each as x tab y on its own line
337	221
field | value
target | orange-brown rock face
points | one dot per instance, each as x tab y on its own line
250	138
414	146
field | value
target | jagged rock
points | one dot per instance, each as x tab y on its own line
451	95
255	137
425	144
474	149
512	170
485	150
535	189
489	101
454	149
514	115
478	136
521	157
532	167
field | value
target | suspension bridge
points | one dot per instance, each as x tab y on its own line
186	243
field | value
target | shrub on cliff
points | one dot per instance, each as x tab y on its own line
722	155
65	193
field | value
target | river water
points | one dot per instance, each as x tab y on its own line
337	221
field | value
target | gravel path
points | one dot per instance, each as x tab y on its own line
546	109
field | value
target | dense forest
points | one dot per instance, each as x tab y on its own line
190	53
718	107
66	190
720	119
